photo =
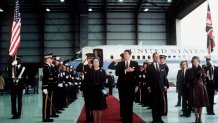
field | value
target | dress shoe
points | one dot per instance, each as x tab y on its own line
89	120
55	116
58	112
14	117
184	115
149	108
161	121
48	120
211	113
177	105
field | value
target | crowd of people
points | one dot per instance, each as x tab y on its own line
146	85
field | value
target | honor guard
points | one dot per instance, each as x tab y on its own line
144	93
84	69
209	71
165	100
54	88
17	90
111	82
47	81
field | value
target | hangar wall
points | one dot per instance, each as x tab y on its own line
64	33
120	28
56	33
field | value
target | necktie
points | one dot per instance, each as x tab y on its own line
183	73
127	64
157	68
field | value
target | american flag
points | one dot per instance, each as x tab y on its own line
209	30
15	36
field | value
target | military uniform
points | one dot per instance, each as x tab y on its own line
110	83
47	81
209	71
19	82
85	87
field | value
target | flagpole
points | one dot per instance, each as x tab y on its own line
15	77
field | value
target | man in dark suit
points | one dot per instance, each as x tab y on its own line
182	89
127	71
17	90
157	85
85	87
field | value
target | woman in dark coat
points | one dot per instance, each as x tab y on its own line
199	96
96	78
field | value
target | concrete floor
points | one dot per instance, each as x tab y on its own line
32	105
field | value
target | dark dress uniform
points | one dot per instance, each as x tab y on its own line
165	99
47	84
110	83
127	82
156	82
54	92
95	81
141	80
209	71
85	88
17	89
144	100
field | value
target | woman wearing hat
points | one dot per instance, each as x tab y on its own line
96	78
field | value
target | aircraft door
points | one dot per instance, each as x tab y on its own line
99	53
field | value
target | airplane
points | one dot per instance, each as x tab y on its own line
142	53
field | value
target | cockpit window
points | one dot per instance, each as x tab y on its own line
138	57
169	56
149	57
143	57
112	57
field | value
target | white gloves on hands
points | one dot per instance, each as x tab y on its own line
60	85
24	91
14	63
45	91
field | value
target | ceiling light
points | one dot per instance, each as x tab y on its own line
120	0
146	9
1	10
90	9
62	1
48	10
169	1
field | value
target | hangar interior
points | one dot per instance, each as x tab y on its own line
63	28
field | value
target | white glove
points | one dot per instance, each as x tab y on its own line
14	63
24	91
66	85
69	83
67	77
45	91
60	85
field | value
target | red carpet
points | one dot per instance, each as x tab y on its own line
111	114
